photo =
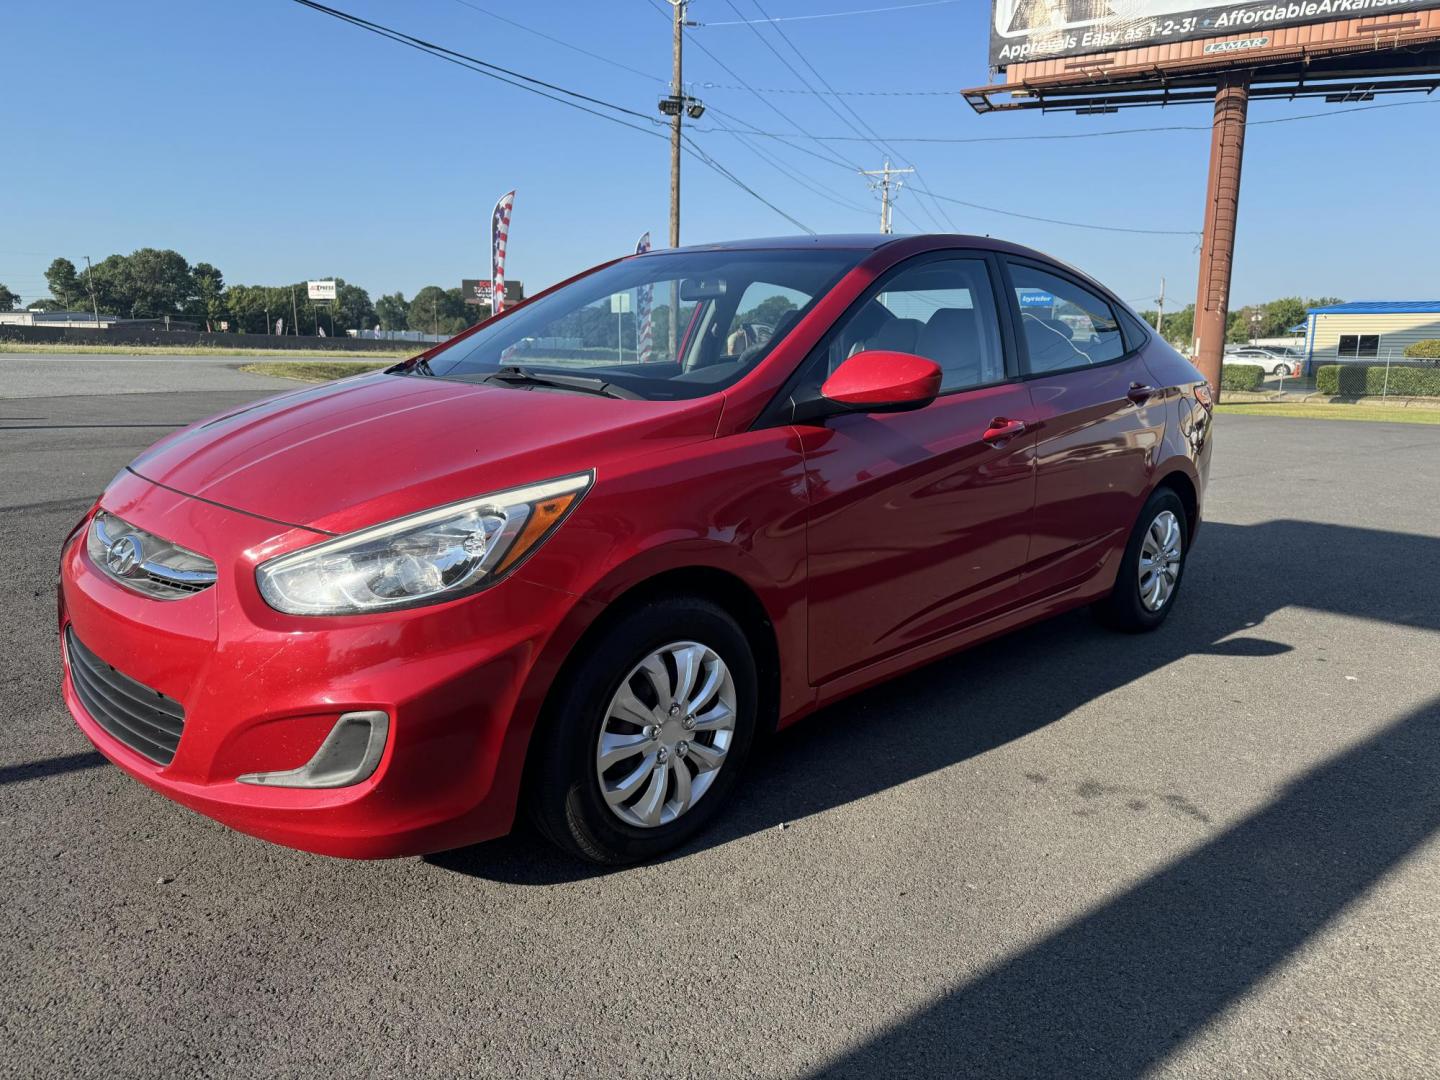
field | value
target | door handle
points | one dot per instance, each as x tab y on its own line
1001	429
1139	393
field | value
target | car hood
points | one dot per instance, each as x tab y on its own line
360	451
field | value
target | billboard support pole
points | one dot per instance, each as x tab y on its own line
1217	245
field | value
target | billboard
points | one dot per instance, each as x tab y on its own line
1025	30
476	291
320	290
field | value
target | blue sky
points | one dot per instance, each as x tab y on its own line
280	144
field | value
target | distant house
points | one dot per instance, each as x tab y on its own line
1368	331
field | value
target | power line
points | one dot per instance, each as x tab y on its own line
858	120
699	152
827	155
789	66
813	185
559	41
1061	221
835	14
838	93
483	67
1060	137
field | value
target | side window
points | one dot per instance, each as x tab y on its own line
1065	325
944	311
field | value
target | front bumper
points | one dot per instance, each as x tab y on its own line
261	690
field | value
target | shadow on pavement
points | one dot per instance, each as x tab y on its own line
1114	993
968	704
36	770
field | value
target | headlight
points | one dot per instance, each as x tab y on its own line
425	558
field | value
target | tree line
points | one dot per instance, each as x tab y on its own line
1268	320
154	283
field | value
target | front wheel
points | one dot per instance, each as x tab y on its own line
1148	580
648	734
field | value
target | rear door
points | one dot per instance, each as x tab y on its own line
1099	422
919	520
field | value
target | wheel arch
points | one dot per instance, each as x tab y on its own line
725	589
1180	482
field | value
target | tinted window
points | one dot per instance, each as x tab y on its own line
944	311
616	324
1065	325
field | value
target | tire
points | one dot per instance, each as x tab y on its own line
567	791
1131	606
1280	369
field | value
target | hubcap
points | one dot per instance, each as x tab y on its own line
1160	561
666	733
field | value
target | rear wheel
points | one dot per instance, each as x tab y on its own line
648	734
1148	581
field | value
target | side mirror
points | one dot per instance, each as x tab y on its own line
882	381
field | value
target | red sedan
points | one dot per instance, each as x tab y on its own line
580	558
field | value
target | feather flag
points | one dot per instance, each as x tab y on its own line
499	238
642	343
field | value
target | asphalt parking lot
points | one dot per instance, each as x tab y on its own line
1206	852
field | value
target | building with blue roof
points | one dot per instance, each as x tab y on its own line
1368	331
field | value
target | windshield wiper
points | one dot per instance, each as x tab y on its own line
515	375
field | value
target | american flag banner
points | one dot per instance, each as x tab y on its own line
642	343
499	237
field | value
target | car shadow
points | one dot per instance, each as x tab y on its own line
55	766
1119	990
971	703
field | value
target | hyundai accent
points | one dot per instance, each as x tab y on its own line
579	559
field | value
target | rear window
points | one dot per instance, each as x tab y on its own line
1065	325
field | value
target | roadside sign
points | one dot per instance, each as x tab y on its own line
475	291
321	290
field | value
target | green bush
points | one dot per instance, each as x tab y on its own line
1429	349
1368	380
1241	376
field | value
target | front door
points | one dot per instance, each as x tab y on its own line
919	521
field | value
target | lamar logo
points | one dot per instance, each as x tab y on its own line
1235	46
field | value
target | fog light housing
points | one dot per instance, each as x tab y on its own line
349	754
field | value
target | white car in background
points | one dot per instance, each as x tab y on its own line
1274	359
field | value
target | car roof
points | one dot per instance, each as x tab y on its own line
856	242
912	243
831	241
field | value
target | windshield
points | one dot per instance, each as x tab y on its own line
612	331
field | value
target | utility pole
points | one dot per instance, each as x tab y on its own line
90	280
884	185
294	312
676	106
1160	309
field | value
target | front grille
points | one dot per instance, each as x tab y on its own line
143	719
